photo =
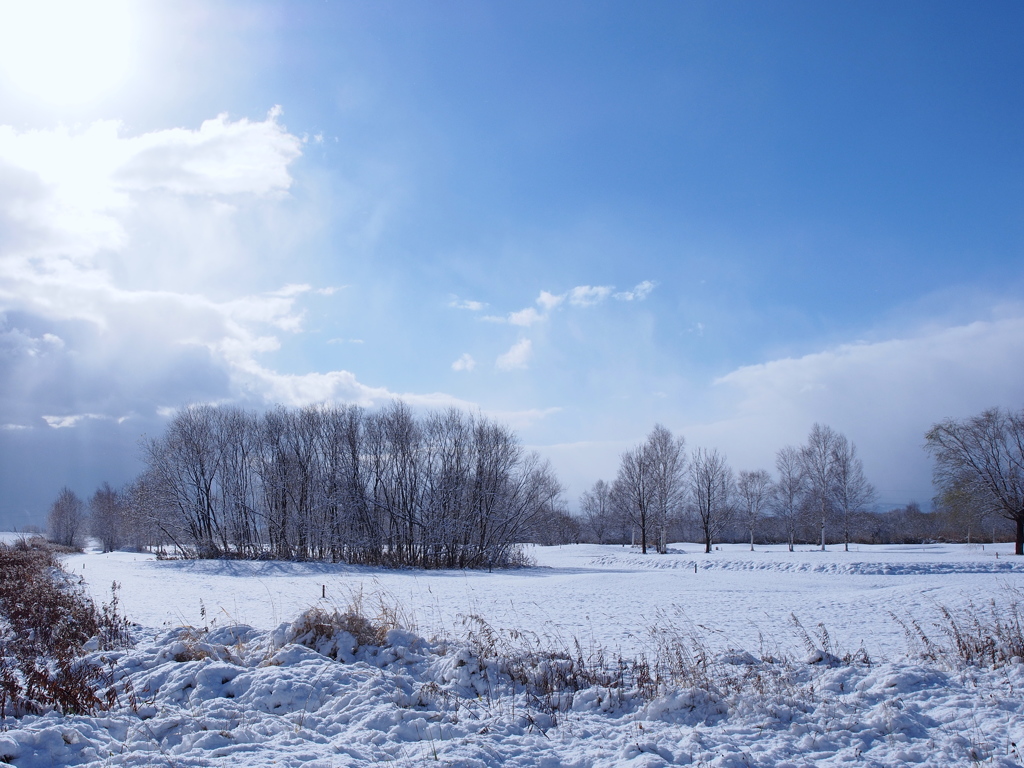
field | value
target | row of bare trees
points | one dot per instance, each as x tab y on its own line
659	487
445	490
451	490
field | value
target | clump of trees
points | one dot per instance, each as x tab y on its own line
443	490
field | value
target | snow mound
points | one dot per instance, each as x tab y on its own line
301	695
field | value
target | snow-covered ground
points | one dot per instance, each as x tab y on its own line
604	594
247	695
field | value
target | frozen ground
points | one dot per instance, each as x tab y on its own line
250	696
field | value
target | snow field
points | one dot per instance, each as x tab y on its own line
600	595
735	691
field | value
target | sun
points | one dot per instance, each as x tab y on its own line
66	52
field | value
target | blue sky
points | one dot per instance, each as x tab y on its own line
736	219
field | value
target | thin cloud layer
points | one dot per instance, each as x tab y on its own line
884	395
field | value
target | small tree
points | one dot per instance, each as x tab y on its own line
711	486
788	492
754	491
851	492
106	521
66	521
598	511
817	461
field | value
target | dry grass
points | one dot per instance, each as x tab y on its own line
45	621
989	635
319	628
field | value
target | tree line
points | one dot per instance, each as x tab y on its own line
444	490
451	490
661	490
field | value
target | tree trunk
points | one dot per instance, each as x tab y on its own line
1018	548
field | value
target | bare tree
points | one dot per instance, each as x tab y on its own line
817	459
66	521
962	514
650	486
631	492
598	511
183	468
789	490
711	487
983	457
106	517
851	492
666	457
754	491
141	515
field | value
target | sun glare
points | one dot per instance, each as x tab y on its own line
66	51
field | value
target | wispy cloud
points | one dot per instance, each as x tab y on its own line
589	295
579	296
526	317
464	363
472	306
548	301
66	422
517	357
639	292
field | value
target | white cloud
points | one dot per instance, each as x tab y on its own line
66	422
464	363
517	357
472	306
549	301
579	296
72	188
526	317
588	295
221	158
640	292
72	204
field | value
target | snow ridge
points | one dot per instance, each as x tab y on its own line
854	568
235	696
